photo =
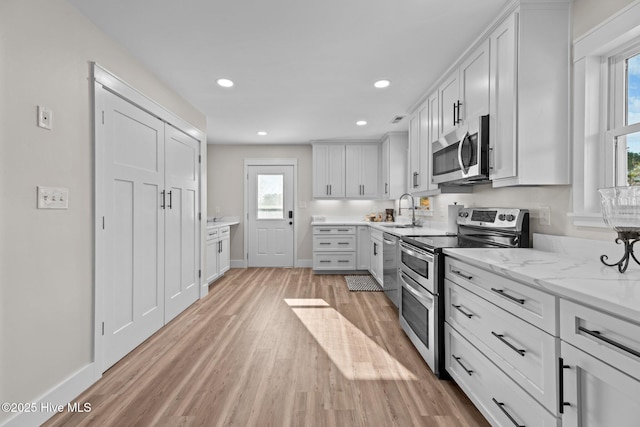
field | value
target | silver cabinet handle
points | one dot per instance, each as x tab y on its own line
504	411
325	243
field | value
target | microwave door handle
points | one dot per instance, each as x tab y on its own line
464	168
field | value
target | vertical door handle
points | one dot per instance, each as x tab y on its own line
330	189
375	249
170	200
327	190
561	368
458	120
163	199
386	188
454	114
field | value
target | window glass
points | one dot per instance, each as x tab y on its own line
632	144
633	90
270	196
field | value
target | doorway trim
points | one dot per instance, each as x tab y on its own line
269	162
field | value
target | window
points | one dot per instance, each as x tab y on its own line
625	121
270	196
606	112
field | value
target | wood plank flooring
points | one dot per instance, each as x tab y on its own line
276	347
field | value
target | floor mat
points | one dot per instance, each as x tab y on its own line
362	283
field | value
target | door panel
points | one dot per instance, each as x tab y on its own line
269	228
182	230
134	226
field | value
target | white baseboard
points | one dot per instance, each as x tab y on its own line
302	263
61	394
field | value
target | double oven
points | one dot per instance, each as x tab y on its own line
421	272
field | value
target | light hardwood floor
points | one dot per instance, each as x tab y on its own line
276	347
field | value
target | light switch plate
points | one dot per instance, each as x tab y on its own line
53	198
45	118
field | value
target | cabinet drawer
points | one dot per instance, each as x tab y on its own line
212	233
608	338
343	229
525	353
224	230
334	243
499	399
530	304
334	261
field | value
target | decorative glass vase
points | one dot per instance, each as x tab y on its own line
621	212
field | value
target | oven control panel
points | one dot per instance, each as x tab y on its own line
492	217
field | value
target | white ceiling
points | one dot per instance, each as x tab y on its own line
303	70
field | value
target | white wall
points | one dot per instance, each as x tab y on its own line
46	256
225	190
589	13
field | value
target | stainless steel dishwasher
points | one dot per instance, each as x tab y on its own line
390	249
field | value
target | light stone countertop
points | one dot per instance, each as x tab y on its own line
387	227
223	222
584	280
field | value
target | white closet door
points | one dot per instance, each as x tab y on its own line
134	226
182	234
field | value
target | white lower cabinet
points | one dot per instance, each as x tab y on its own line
501	345
377	263
334	247
364	248
499	398
601	368
217	256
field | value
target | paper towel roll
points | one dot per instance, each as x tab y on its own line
452	218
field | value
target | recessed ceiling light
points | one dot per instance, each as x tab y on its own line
361	122
382	83
262	133
225	82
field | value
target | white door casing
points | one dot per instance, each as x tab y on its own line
270	230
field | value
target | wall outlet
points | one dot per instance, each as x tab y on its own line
45	118
53	198
544	217
217	209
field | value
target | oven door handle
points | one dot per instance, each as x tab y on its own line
414	252
423	297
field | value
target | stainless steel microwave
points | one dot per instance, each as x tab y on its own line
465	161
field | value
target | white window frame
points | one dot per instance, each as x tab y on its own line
594	128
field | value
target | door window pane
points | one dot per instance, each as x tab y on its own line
633	90
270	196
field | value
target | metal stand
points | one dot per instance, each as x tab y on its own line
629	238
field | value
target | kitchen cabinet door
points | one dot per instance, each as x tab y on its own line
224	262
595	393
393	161
502	115
363	248
362	168
376	268
449	96
212	260
328	171
474	86
418	152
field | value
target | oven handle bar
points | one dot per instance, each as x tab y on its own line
415	252
423	297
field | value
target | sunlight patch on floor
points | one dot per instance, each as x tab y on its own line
356	355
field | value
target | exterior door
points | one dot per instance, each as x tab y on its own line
182	231
134	225
270	216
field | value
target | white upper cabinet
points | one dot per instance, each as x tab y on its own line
328	171
418	153
464	95
393	165
529	96
449	95
362	166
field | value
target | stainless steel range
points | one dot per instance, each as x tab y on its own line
421	272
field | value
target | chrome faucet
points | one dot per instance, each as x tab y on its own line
413	207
